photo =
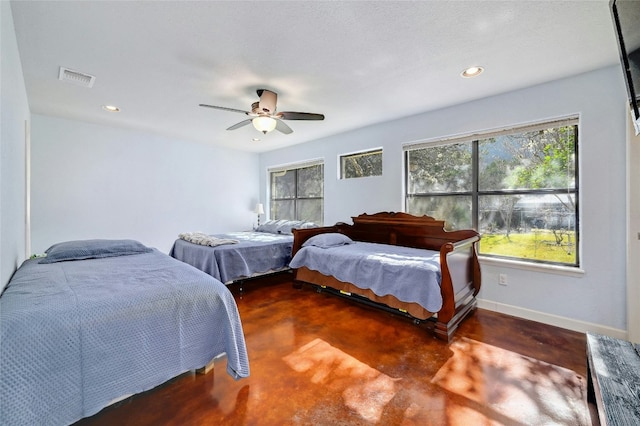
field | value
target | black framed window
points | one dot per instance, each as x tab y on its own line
361	164
517	187
297	193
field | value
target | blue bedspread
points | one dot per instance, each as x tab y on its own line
255	253
410	274
77	335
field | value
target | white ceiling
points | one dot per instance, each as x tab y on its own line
357	62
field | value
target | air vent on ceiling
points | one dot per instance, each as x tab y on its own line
76	77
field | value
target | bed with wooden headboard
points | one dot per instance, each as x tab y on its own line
401	242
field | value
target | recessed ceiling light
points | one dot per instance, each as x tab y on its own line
110	108
472	72
255	140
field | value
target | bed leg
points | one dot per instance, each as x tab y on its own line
445	330
206	368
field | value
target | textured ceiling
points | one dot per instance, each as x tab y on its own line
357	62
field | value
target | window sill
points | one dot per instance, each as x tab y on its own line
534	267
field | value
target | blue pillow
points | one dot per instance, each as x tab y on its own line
288	225
270	226
331	239
283	226
92	249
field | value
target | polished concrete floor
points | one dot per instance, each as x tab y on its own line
317	359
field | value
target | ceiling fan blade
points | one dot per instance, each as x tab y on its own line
240	124
268	101
289	115
224	108
283	128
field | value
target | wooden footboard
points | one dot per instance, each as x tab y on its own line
460	284
460	268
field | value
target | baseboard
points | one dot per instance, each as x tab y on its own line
555	320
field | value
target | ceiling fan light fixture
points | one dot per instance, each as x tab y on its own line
472	72
264	124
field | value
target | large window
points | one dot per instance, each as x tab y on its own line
297	192
518	188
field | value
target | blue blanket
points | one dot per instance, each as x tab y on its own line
410	274
255	253
77	335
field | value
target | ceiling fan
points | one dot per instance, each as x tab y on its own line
264	116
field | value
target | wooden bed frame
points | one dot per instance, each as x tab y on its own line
458	259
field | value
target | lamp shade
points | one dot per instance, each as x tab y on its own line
264	124
259	209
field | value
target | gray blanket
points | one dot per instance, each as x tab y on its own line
76	335
410	274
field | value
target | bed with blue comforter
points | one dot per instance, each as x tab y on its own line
239	255
399	262
98	320
411	275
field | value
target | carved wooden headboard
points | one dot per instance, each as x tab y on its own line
395	228
398	218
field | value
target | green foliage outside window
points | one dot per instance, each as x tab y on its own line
361	164
518	189
297	194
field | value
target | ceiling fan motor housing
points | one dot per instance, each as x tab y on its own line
268	101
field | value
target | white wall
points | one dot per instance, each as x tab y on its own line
92	181
633	234
14	113
593	300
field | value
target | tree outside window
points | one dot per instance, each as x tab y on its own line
361	164
297	193
518	188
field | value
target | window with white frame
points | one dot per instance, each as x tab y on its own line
361	164
517	187
297	192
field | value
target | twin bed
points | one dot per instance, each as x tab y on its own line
237	256
402	263
96	321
